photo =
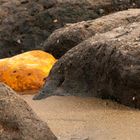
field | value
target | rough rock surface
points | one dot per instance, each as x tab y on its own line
25	24
26	72
18	121
63	39
106	66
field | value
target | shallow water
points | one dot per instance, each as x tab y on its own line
75	118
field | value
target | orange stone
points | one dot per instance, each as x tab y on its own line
26	71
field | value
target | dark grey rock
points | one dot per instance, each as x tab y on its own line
28	23
63	39
105	66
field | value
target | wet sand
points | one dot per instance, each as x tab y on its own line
75	118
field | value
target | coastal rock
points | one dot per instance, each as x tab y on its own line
63	39
25	24
26	71
106	65
17	119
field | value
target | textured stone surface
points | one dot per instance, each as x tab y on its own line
63	39
18	121
25	24
106	66
26	71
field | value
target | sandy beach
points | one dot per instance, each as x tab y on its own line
75	118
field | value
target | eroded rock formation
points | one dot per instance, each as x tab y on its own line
63	39
18	121
25	24
106	65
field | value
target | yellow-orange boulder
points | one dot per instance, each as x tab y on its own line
26	71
